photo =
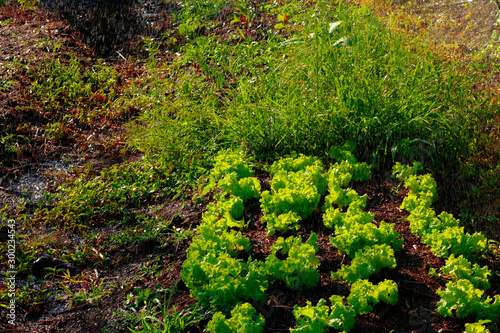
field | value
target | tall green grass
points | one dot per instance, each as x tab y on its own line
355	82
343	77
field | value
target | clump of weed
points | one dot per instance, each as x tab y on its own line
65	83
150	310
90	200
28	4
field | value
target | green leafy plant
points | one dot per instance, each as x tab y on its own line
211	269
424	187
462	296
297	186
234	176
340	175
245	188
348	166
309	176
341	197
351	237
212	240
403	171
298	270
462	299
424	221
458	268
316	319
296	163
223	281
455	241
366	262
354	215
443	234
244	319
231	208
301	199
364	295
228	161
282	222
478	327
216	226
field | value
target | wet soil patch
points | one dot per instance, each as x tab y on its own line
116	28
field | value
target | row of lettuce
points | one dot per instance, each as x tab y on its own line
220	271
464	293
370	248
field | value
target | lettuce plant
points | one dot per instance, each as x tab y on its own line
319	318
244	319
294	164
364	295
342	198
354	215
402	171
232	206
298	270
244	188
281	222
352	237
234	176
462	299
293	191
458	268
424	221
297	186
355	171
223	281
227	162
366	262
423	192
214	241
478	327
455	241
